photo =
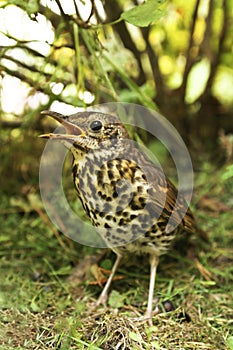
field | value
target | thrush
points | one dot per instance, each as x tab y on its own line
127	197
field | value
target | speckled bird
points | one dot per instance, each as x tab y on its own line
127	197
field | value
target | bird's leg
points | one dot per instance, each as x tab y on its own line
104	294
154	261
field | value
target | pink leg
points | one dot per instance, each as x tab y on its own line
154	261
104	294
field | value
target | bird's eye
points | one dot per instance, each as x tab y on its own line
96	125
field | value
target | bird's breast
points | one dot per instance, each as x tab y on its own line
116	196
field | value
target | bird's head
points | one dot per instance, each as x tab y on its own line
88	130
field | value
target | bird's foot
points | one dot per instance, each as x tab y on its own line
145	318
165	306
102	300
148	317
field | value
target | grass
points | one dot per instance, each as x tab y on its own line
41	309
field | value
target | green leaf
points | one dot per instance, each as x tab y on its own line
228	173
145	14
230	342
155	344
34	306
135	336
33	7
116	299
106	264
30	6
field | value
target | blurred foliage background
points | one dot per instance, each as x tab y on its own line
172	56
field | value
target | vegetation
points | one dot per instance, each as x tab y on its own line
173	56
94	54
46	298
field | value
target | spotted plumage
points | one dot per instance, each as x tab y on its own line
127	198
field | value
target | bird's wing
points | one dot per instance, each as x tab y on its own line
173	208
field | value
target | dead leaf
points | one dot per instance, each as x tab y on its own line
213	204
203	271
83	268
99	274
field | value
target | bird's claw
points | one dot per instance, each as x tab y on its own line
144	318
102	300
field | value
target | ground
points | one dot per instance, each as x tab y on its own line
46	303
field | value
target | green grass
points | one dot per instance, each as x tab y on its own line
40	309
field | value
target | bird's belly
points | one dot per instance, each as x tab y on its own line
141	235
122	209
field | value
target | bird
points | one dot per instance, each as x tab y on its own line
127	197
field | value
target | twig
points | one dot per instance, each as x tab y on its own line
113	11
158	80
31	68
54	230
61	9
10	124
189	59
32	83
215	57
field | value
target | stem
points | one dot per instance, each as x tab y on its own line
86	39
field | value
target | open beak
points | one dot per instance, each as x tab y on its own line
72	130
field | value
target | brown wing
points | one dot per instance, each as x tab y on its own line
173	208
166	204
180	213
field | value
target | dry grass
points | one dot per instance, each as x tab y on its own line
39	309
